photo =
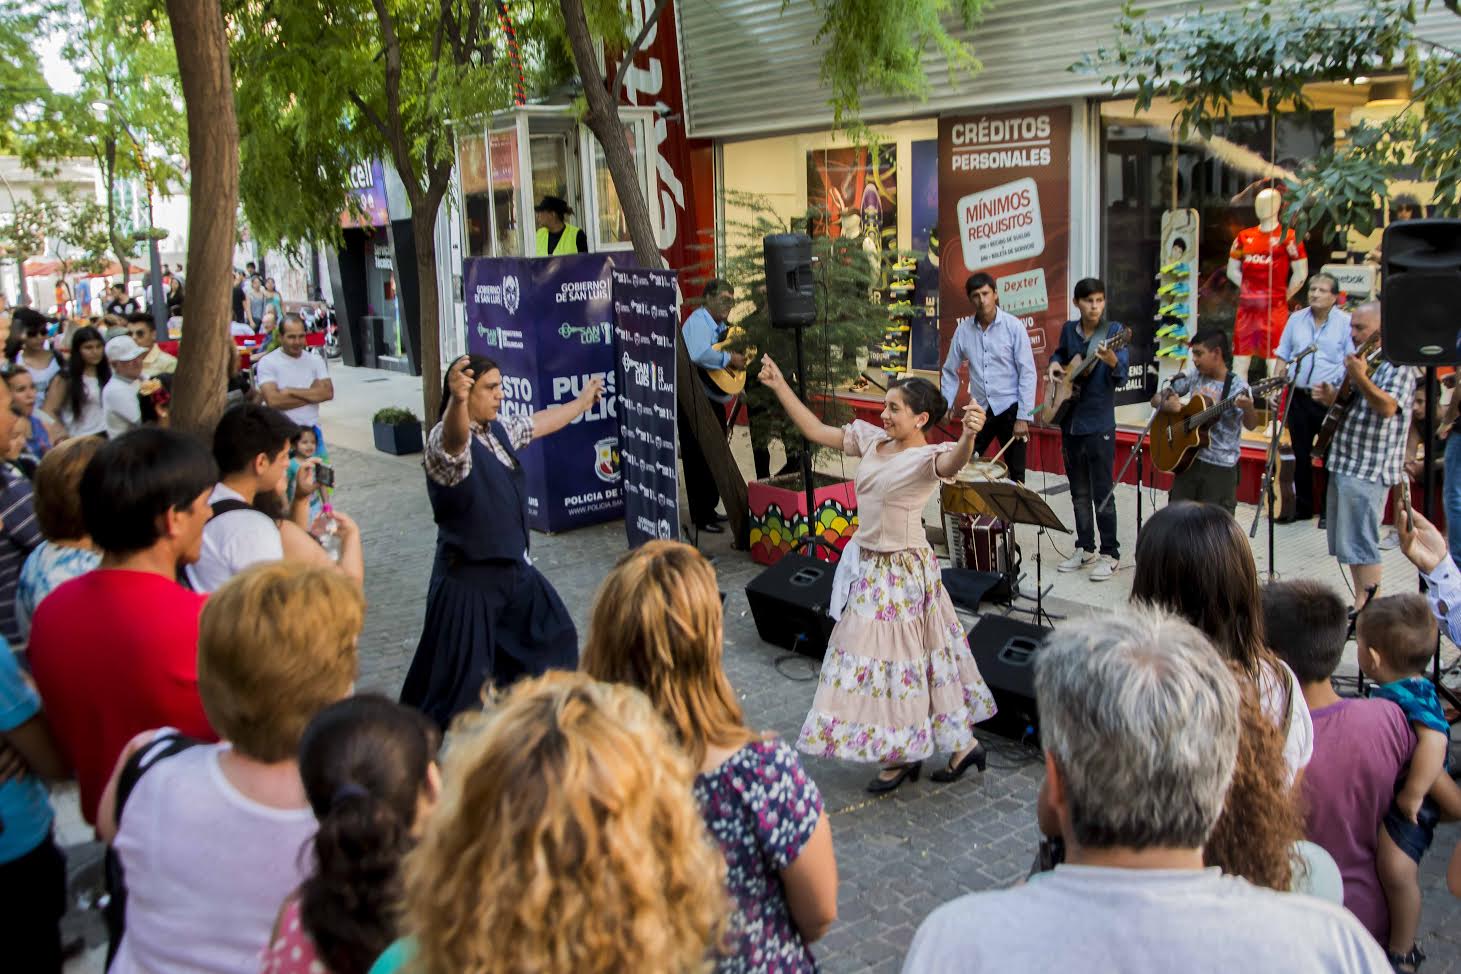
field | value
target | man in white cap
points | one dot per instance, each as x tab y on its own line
119	396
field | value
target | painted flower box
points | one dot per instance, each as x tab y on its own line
779	515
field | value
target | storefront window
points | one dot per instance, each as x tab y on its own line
550	166
613	230
476	210
1207	191
507	222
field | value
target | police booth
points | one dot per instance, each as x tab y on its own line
549	322
510	161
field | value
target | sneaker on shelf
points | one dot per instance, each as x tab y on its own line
1175	268
1174	289
905	264
1080	559
1174	351
1177	309
1105	567
1176	330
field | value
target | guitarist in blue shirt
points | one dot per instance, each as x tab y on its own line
1088	426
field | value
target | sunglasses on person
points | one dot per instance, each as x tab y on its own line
138	333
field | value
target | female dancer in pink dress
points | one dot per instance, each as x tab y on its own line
898	682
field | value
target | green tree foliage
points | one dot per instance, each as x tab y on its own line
848	318
126	114
1268	50
323	86
881	46
23	87
74	225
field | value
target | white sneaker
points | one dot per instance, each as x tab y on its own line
1105	568
1080	559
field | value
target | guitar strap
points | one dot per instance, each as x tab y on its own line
1227	386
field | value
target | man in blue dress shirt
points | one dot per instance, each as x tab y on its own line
1327	327
1001	372
1088	431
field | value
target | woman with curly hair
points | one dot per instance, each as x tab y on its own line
657	626
369	771
566	842
1261	822
1193	559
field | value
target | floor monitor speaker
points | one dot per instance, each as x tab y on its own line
1005	650
789	604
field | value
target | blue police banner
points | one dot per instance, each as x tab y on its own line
646	315
548	324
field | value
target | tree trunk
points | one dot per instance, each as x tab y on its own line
602	119
206	355
423	228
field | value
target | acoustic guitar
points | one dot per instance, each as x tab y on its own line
729	381
1062	395
1344	398
1177	437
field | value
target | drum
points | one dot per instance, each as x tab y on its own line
977	471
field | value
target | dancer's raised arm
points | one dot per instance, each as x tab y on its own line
806	421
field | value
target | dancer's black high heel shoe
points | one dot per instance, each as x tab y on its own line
953	772
879	785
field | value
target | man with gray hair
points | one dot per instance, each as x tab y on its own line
1324	328
1139	717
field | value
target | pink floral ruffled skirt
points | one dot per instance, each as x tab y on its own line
898	682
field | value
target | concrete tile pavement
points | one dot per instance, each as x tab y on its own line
899	855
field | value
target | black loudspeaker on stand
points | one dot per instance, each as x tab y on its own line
1421	269
791	298
789	603
1421	261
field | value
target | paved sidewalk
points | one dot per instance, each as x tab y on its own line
899	855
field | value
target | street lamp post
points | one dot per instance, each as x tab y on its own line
153	235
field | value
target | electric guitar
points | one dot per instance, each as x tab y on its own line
1344	398
1061	395
729	381
1177	437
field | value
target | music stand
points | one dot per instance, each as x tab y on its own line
1017	504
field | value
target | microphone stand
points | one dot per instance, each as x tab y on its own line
1135	455
1266	491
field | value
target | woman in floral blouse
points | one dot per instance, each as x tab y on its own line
898	682
656	625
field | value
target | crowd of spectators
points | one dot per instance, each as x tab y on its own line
178	643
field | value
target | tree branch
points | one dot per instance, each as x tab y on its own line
615	87
396	136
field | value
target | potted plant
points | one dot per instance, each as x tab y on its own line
850	319
397	431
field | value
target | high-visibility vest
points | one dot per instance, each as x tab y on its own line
567	241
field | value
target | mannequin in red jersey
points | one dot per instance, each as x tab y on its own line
1269	266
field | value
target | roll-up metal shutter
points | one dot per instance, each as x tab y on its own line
752	69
